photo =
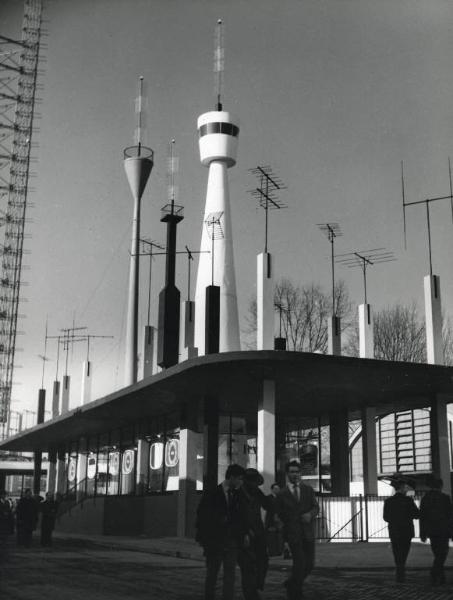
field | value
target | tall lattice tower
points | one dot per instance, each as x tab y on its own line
18	78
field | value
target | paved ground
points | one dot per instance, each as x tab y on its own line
93	568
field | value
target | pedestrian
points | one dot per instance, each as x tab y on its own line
48	509
297	507
272	524
6	517
254	559
436	523
399	512
26	518
222	530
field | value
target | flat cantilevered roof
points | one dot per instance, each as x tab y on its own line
306	384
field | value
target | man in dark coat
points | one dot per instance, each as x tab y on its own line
26	518
254	559
48	509
222	530
400	512
436	523
297	507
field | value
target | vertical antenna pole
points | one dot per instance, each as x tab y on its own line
364	279
139	114
44	357
429	238
212	262
451	188
332	236
404	205
149	283
171	177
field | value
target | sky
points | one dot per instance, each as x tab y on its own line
333	94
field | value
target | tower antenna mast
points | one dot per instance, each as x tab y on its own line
19	61
332	231
365	259
266	194
219	63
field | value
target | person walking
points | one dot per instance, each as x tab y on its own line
272	525
26	518
297	507
436	523
254	559
400	512
222	530
48	509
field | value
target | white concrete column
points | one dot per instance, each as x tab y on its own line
334	335
149	351
61	473
366	335
440	448
187	349
142	465
370	482
266	434
264	302
55	399
65	393
87	377
82	460
51	472
187	496
433	321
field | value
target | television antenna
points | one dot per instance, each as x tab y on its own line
427	203
266	194
219	62
365	259
215	232
332	231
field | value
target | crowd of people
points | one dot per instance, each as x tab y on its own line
26	515
232	531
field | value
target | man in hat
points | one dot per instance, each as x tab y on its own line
222	530
253	558
297	507
436	523
400	512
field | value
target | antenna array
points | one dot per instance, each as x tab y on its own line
18	81
427	203
266	193
365	259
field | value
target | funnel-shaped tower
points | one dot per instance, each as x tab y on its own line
138	162
218	140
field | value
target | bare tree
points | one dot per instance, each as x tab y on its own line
304	313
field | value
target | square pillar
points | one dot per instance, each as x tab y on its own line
339	453
366	334
266	434
65	393
149	351
370	482
87	377
81	475
55	399
433	321
440	451
61	472
142	466
264	302
187	496
334	336
51	471
210	442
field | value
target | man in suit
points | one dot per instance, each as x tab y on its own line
223	530
400	512
297	507
436	523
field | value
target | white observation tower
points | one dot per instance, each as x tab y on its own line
218	134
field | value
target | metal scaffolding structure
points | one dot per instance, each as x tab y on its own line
18	82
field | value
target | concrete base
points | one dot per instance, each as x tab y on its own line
65	394
265	312
433	321
149	351
334	336
87	377
366	334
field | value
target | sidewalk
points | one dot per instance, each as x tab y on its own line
376	556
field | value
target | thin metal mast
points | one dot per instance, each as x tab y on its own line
18	82
332	231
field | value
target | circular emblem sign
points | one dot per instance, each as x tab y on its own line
172	453
156	455
128	462
91	467
72	470
114	461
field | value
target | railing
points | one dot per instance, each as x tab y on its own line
353	518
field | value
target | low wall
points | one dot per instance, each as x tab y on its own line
160	515
86	517
123	515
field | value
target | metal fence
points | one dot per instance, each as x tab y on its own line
353	518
